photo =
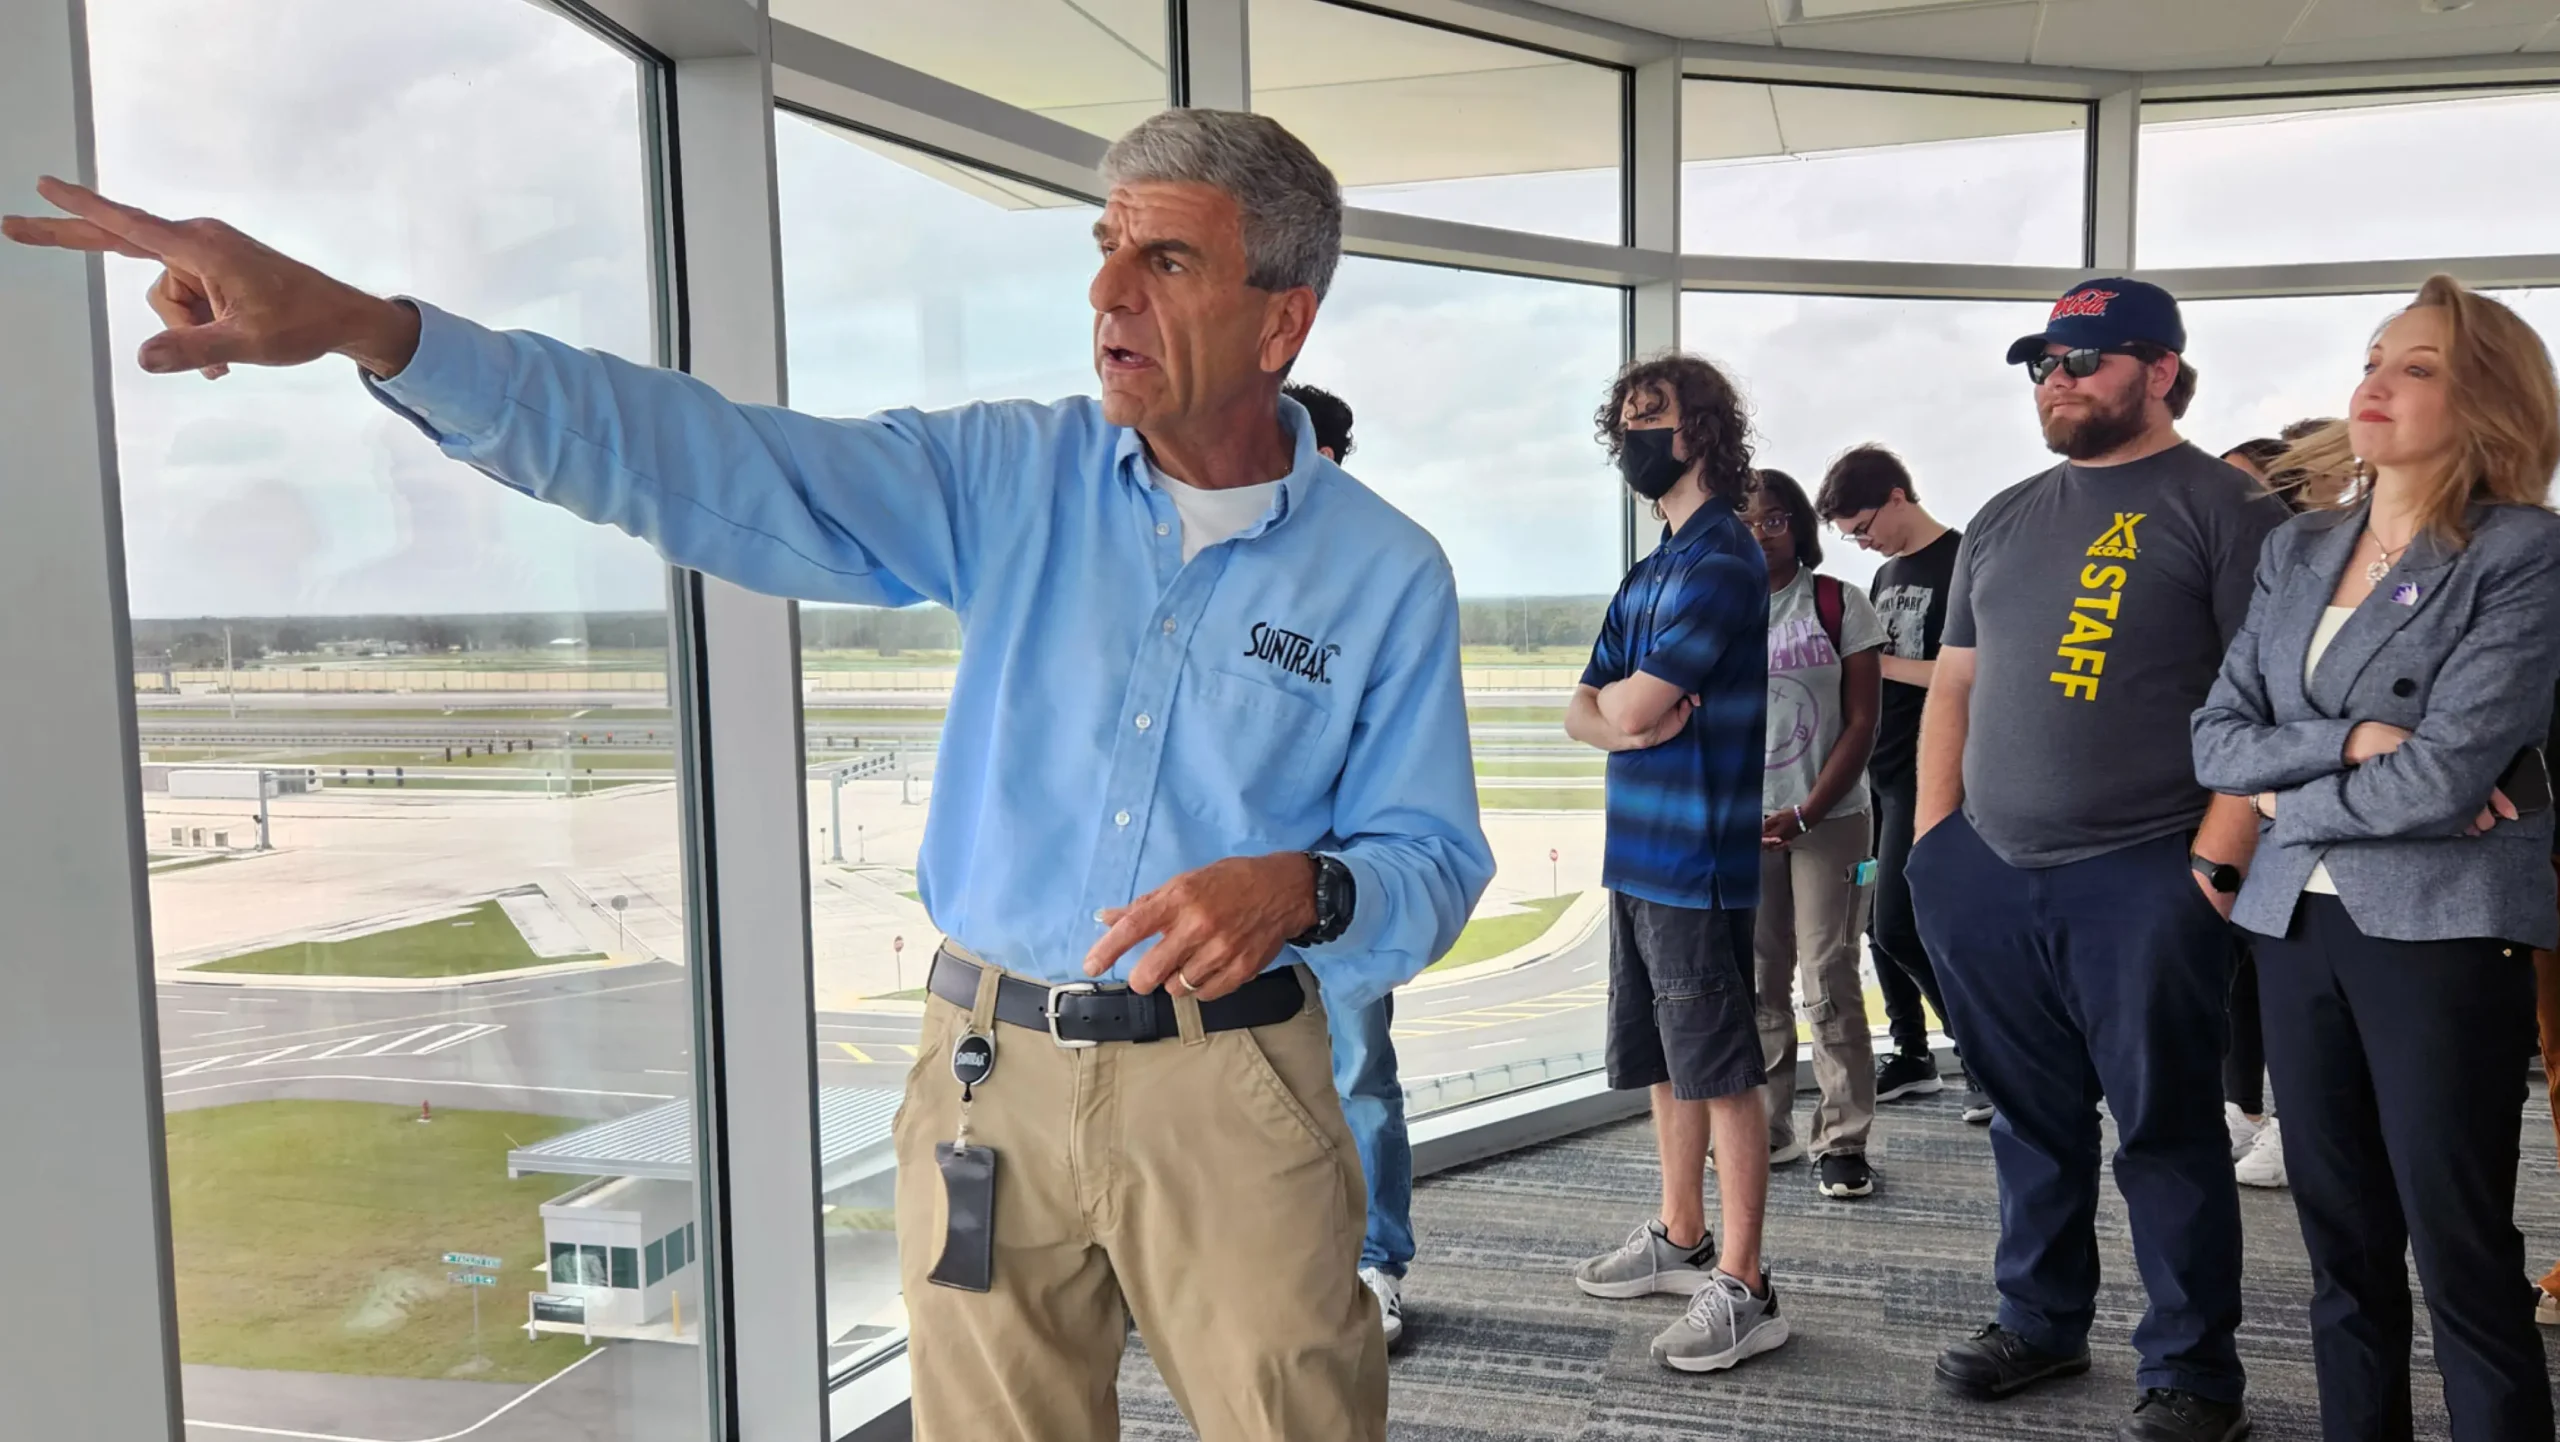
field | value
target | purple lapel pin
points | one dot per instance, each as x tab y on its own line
2405	594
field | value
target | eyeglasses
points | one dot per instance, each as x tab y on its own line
2082	364
1859	531
1776	523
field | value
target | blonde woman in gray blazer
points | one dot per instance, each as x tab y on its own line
2396	665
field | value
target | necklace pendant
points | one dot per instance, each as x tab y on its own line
2374	571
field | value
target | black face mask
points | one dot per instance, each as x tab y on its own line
1645	460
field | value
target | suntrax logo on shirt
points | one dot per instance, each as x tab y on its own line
2081	302
2094	615
1298	655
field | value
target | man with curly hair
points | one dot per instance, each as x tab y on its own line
1676	694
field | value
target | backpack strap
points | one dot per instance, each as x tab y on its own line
1827	604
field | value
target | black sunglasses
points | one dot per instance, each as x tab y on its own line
2082	364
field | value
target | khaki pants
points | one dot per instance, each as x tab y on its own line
1811	914
1206	1186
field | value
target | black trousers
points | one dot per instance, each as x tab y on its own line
2244	1062
2402	1070
1903	972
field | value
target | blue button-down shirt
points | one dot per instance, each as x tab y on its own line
1684	816
1119	717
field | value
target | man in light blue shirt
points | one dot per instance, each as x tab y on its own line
1172	772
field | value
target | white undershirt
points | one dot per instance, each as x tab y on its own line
1209	517
2331	621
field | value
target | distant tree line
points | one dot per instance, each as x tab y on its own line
195	643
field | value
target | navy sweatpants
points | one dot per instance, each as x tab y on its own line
2100	978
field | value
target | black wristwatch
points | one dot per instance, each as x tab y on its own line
1337	896
2222	876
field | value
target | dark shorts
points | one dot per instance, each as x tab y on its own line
1681	1008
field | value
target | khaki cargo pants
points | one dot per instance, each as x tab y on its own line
1205	1186
1806	945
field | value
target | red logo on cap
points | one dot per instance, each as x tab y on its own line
2086	302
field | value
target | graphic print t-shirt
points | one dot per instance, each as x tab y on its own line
1805	716
1910	593
2099	601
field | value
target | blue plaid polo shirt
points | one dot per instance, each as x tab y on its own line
1684	816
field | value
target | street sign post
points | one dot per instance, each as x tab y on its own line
474	1282
1555	887
619	903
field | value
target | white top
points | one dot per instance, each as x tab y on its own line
1209	517
2327	631
1805	675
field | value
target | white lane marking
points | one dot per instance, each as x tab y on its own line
275	1055
347	1045
322	1031
654	1071
410	1081
189	1011
511	1404
234	1030
192	1068
472	1032
519	991
398	1042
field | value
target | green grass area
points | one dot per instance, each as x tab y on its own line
1573	656
814	659
1521	798
330	761
309	1235
481	939
1595	768
872	715
1491	936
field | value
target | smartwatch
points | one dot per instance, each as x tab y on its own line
2222	876
1337	896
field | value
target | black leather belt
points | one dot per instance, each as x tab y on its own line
1089	1013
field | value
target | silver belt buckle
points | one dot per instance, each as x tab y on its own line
1050	1009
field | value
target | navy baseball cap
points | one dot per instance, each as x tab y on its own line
2112	311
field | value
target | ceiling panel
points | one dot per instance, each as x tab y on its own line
2489	21
1996	32
2500	40
2121	34
2167	34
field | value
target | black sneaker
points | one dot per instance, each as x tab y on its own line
2167	1415
1845	1175
1977	1104
1995	1362
1907	1074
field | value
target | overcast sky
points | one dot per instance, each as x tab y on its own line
487	156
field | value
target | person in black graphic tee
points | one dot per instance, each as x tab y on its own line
1868	496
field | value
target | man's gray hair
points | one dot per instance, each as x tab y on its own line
1291	203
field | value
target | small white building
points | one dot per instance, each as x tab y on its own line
627	1248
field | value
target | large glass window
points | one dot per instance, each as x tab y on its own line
1472	399
1098	65
2265	363
1924	377
1427	121
2337	178
907	281
1829	173
407	768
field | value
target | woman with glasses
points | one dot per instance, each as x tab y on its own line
1825	682
2383	708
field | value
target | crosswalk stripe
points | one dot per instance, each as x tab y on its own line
273	1056
348	1045
192	1068
397	1042
855	1052
473	1032
907	1047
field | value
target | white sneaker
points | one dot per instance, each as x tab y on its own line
1724	1325
2546	1308
2264	1164
2244	1132
1390	1294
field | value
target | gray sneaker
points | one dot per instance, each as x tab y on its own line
1647	1263
1724	1325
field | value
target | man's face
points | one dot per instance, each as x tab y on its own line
1653	408
1177	332
1885	529
2088	416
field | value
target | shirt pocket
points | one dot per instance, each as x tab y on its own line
1245	753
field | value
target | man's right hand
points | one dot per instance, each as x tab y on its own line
226	299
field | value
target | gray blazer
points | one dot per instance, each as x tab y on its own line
2462	648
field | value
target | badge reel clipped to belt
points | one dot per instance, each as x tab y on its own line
968	1179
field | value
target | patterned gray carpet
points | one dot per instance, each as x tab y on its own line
1500	1347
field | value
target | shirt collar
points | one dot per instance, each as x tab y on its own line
1680	542
1129	460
